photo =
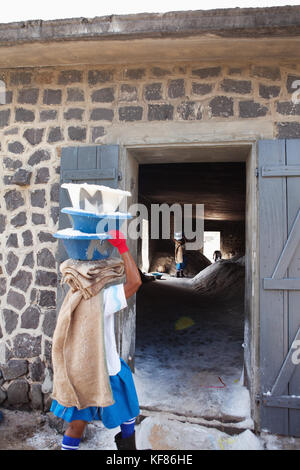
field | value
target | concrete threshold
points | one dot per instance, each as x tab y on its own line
229	425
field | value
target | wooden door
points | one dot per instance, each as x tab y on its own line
279	254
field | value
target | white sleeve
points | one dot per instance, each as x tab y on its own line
114	299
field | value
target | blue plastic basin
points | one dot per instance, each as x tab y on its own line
84	247
89	222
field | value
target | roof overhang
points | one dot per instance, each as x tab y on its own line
204	35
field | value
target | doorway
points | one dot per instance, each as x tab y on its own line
191	356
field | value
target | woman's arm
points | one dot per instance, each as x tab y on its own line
133	278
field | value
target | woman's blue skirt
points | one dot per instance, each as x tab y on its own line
126	404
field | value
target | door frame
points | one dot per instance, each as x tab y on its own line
129	164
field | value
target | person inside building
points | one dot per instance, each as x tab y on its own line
125	409
217	255
179	253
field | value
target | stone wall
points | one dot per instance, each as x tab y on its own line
49	108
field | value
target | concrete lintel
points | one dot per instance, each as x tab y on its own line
188	132
231	22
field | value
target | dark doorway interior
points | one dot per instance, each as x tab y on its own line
189	337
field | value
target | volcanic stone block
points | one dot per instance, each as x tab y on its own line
46	278
34	136
54	192
201	88
37	370
48	115
75	94
46	237
22	280
221	106
38	219
128	92
268	92
12	164
13	200
36	396
54	212
12	263
19	220
288	130
176	88
12	241
4	117
189	111
102	114
55	135
28	96
3	282
99	76
20	78
38	156
160	112
15	147
207	72
249	109
52	96
49	323
236	86
29	260
69	76
104	95
16	300
292	83
134	74
272	73
159	72
288	108
130	113
24	115
77	133
21	177
27	238
26	345
47	298
38	198
10	320
30	318
14	369
74	113
17	392
45	258
97	131
42	175
153	91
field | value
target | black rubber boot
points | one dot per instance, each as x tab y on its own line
181	273
127	443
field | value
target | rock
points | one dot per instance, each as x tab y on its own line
26	345
17	392
14	369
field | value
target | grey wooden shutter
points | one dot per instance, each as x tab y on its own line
279	252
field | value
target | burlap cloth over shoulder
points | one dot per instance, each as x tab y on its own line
78	352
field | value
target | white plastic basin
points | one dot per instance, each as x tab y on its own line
95	198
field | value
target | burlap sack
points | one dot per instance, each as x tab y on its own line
78	352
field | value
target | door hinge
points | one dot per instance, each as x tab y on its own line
120	176
256	172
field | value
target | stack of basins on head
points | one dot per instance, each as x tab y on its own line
93	214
